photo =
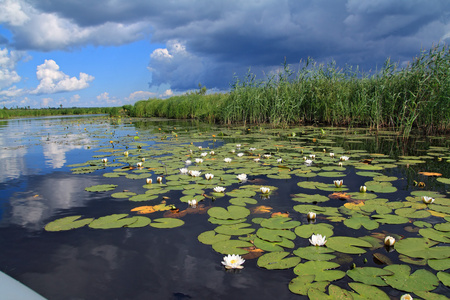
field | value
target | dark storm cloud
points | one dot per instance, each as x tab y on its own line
221	38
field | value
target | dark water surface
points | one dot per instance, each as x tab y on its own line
37	187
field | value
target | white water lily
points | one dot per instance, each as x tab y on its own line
331	154
252	149
264	190
203	154
318	240
125	153
139	165
192	203
212	153
209	176
159	179
340	164
233	261
240	154
227	159
149	180
344	158
363	189
257	159
406	297
183	170
188	162
311	215
194	173
389	241
267	156
143	159
280	160
233	151
200	147
198	160
338	183
312	156
308	162
305	158
242	177
238	145
219	189
427	200
104	160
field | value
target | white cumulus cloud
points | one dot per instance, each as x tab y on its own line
8	62
52	80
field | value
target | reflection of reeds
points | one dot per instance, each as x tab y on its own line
399	98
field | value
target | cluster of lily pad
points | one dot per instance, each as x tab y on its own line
233	172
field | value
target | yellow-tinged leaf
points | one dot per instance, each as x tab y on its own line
430	174
437	214
280	214
144	209
261	209
351	205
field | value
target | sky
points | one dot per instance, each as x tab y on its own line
88	53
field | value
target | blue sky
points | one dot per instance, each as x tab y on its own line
111	53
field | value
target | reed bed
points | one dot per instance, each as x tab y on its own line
29	112
414	96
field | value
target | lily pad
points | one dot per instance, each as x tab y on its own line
67	223
335	292
369	275
234	229
390	219
266	246
422	248
101	188
314	253
166	223
420	280
140	221
439	264
112	221
301	284
210	237
435	235
279	223
347	244
368	292
357	220
277	260
320	269
231	212
232	246
274	235
306	231
444	278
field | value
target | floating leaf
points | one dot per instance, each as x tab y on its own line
306	231
267	246
139	222
444	278
420	280
306	198
112	221
210	237
166	223
67	223
422	248
262	209
321	270
231	212
390	219
335	292
368	292
301	284
443	180
347	245
439	264
121	195
274	235
435	235
357	220
231	246
101	188
277	260
412	213
279	223
314	253
369	275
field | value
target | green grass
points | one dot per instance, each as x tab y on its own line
28	112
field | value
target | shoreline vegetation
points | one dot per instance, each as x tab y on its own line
415	96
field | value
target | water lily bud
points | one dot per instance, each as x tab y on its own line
104	160
338	183
406	297
389	241
125	153
143	159
149	180
159	179
139	164
311	215
264	190
340	164
427	200
363	189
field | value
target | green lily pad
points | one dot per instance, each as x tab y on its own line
266	246
390	219
368	292
101	188
443	227
279	223
380	187
166	223
306	198
231	212
112	221
277	260
435	235
235	229
420	280
243	201
123	195
422	248
225	222
143	197
444	277
369	275
357	220
321	270
140	221
232	246
443	180
439	264
210	237
274	235
347	244
67	223
306	231
335	292
301	284
315	253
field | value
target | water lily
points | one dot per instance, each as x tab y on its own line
312	156
233	151
344	158
252	149
242	177
318	240
183	170
219	189
257	159
104	160
125	153
406	297
331	154
212	153
198	160
159	179
267	155
233	261
427	200
340	164
139	165
209	176
308	162
149	180
192	203
143	159
227	159
363	189
240	154
338	183
194	173
264	190
280	160
238	145
203	154
311	215
200	147
188	162
389	241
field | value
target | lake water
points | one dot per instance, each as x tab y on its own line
43	163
